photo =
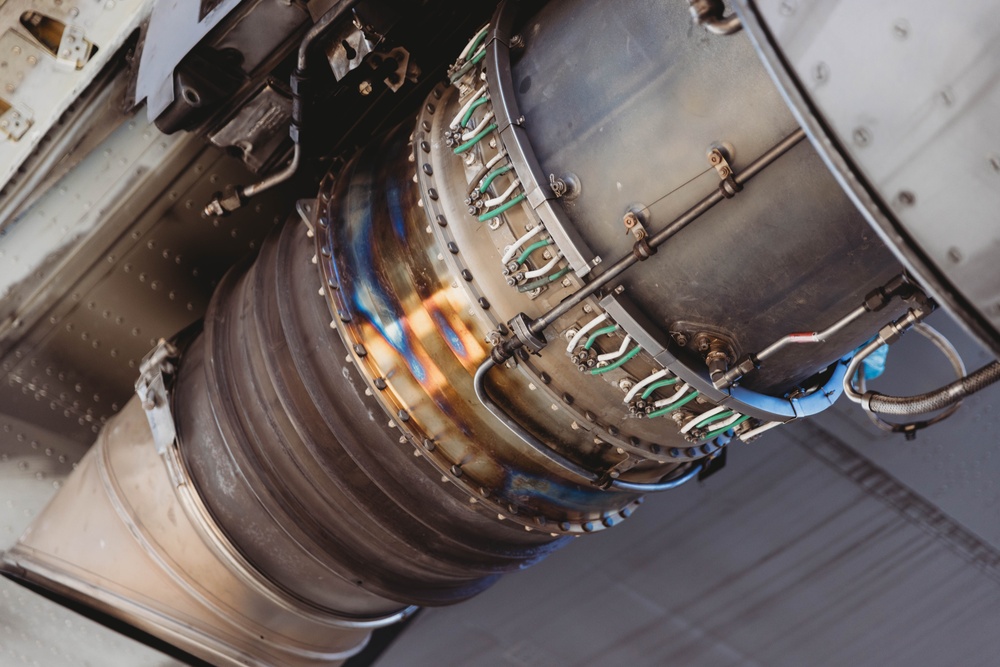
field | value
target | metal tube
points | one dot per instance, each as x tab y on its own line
814	337
659	486
727	25
276	178
479	383
686	218
321	26
554	457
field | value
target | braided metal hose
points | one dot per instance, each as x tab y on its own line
937	399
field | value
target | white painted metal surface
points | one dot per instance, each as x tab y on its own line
38	85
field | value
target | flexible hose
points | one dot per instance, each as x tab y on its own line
937	399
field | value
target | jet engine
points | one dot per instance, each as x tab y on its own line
571	265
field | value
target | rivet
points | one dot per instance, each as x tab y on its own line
565	525
608	522
588	526
429	170
626	512
452	248
380	384
403	415
431	109
456	470
467	275
545	378
433	194
442	221
591	417
484	303
360	350
426	125
437	93
676	453
567	399
429	445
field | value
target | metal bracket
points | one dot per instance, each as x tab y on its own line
729	186
74	48
634	224
14	122
156	376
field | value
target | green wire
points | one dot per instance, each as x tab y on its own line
506	207
475	105
532	248
714	418
542	282
488	181
597	334
475	140
475	58
479	39
673	406
617	364
467	66
727	428
658	385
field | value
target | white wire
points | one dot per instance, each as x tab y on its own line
619	352
638	386
584	331
545	269
468	47
681	390
461	112
512	249
702	417
759	430
493	160
727	423
478	128
496	201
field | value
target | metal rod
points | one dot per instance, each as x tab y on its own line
541	323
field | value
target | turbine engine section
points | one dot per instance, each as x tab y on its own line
526	184
577	278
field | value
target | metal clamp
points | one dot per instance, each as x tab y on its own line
156	377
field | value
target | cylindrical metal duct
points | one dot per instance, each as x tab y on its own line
328	460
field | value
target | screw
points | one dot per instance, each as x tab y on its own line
906	198
821	72
862	136
901	28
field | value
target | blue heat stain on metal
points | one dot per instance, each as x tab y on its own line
521	486
368	294
454	342
394	198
